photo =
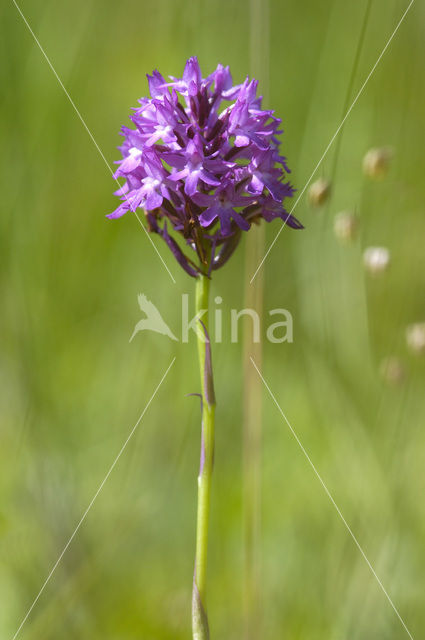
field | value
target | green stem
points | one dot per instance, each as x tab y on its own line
199	611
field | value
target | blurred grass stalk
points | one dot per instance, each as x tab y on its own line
252	441
350	89
252	385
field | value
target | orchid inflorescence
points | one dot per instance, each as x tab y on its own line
208	170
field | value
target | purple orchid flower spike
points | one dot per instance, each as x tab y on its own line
204	155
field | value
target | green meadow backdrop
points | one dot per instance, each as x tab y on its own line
72	386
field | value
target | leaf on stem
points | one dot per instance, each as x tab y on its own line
199	617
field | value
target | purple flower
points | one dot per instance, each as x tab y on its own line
222	206
194	166
203	156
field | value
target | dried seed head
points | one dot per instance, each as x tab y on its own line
376	259
346	225
376	162
415	338
392	371
319	192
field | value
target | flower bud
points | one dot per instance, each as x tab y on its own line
376	162
346	226
415	338
319	192
392	371
376	259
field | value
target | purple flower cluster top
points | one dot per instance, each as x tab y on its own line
204	158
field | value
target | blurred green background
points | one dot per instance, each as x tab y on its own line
72	386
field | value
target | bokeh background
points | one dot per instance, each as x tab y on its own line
72	386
